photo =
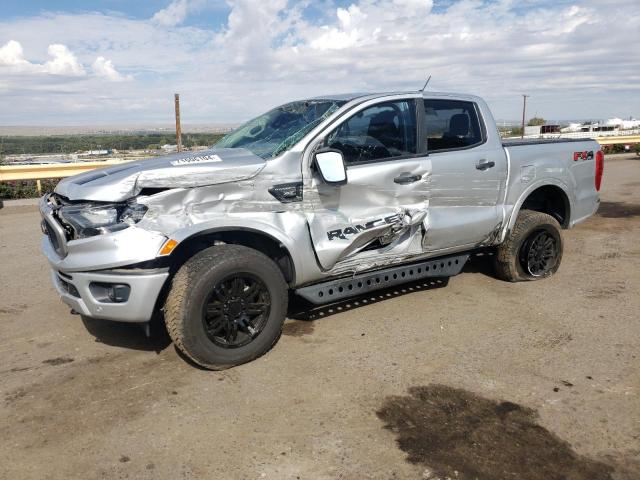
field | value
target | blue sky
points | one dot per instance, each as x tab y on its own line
209	14
120	61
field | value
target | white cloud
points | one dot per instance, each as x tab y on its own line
173	14
251	28
347	34
64	62
11	54
104	68
415	6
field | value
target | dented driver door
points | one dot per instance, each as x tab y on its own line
376	218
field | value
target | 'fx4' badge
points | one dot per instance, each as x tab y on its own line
583	155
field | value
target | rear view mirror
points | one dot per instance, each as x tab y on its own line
331	166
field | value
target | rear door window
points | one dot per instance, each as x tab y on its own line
451	124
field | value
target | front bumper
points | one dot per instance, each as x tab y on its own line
78	290
82	267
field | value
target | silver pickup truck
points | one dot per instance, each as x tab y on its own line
329	197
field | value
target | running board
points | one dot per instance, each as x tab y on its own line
366	282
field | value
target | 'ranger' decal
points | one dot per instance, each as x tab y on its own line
200	159
357	228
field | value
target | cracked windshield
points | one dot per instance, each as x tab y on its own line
279	129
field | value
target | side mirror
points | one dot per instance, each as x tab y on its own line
330	164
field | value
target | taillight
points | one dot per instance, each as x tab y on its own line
599	168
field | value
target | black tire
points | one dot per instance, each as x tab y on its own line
532	250
205	294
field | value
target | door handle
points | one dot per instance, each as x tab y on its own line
405	178
485	164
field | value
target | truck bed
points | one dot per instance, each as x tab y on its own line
568	163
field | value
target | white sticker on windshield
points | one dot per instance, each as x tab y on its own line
200	159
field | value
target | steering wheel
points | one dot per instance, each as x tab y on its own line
356	150
257	129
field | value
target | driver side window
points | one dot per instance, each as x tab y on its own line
383	131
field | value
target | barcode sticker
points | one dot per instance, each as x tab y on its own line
195	160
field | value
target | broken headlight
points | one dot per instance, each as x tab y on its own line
88	220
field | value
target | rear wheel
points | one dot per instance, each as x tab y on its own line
226	306
532	250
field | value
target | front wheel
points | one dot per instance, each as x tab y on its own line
226	306
532	250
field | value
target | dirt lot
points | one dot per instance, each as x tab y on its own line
470	378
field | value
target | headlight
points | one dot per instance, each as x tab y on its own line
88	220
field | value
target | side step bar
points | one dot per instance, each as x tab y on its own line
338	289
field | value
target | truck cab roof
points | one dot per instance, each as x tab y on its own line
348	97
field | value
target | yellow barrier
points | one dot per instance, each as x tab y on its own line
51	170
621	140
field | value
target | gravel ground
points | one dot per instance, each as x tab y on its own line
466	378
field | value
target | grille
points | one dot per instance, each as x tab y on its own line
50	226
46	228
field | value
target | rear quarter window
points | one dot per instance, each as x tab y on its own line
451	124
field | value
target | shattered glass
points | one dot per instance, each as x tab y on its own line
279	129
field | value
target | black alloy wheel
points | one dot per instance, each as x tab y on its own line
236	310
226	306
532	249
539	253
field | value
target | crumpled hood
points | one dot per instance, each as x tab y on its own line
180	170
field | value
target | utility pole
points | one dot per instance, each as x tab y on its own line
178	128
524	108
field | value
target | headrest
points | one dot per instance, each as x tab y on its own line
459	125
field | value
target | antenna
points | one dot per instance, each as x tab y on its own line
426	83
